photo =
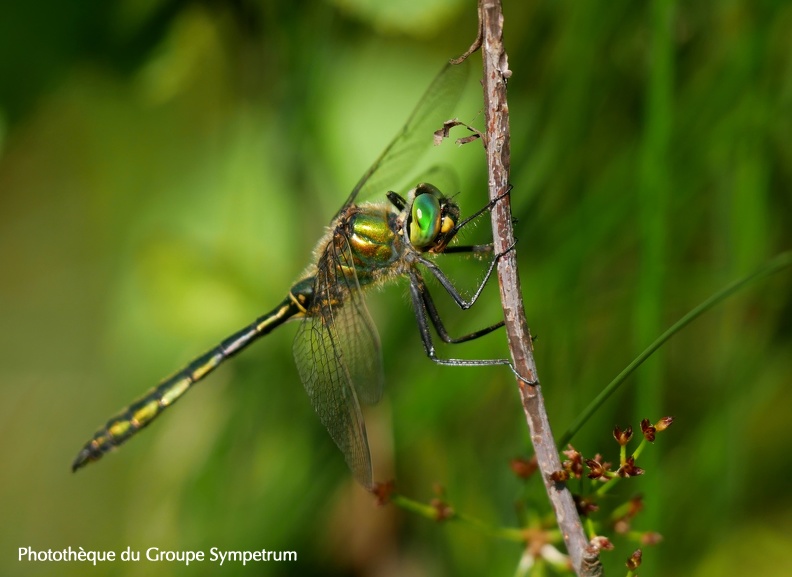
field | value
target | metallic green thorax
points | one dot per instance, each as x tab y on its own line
373	241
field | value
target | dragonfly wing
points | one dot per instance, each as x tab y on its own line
360	342
442	176
417	135
338	356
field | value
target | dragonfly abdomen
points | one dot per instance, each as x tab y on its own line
142	412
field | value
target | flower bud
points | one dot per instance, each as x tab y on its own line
575	462
629	469
524	468
622	437
601	543
597	469
648	430
664	423
635	505
635	560
442	509
651	538
584	505
383	492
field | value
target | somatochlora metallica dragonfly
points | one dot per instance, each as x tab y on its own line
336	348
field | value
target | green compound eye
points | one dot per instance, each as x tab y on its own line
425	222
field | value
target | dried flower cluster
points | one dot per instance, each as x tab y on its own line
601	473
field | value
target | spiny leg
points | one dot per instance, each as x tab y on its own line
467	249
484	209
417	291
434	316
475	249
449	286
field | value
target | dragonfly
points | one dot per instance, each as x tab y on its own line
336	348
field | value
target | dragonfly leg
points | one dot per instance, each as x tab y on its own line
431	311
476	249
419	296
449	286
484	209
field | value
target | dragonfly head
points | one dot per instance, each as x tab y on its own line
431	218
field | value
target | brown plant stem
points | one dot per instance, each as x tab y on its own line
585	559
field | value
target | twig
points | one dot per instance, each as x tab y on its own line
585	559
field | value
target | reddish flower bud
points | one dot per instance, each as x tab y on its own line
584	505
524	468
635	505
629	469
383	492
648	430
621	526
597	470
651	538
622	437
575	462
601	543
442	509
635	560
664	423
605	464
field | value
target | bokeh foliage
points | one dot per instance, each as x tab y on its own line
166	167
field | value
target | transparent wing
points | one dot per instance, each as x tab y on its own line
338	356
417	135
443	176
353	325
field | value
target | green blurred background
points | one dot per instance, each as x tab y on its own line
166	168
